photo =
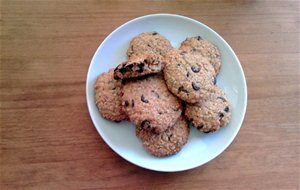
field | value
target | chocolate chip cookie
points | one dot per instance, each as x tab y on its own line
149	42
139	65
108	97
188	75
166	143
149	104
211	112
205	48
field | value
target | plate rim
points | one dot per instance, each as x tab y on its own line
240	122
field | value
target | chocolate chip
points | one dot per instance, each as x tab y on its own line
145	124
126	103
144	99
159	113
195	69
221	115
130	66
183	104
132	103
154	33
226	109
188	74
123	70
215	80
181	89
156	60
200	127
147	61
194	49
116	77
178	64
114	88
199	38
195	86
141	67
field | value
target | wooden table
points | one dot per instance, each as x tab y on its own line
49	142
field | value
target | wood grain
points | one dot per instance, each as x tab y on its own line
49	142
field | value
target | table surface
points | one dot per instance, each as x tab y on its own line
48	140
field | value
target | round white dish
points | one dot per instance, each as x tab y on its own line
201	147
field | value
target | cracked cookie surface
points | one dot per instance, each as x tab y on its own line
139	65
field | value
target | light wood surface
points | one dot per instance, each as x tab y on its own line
49	142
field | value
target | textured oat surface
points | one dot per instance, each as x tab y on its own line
211	112
205	48
167	143
149	42
108	98
148	103
139	65
188	75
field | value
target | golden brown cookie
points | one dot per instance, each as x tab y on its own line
149	42
108	97
188	75
166	143
211	112
149	104
205	48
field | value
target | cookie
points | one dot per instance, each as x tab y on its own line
205	48
188	75
166	143
108	97
149	104
149	42
139	65
211	112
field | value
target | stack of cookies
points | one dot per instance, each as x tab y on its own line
159	88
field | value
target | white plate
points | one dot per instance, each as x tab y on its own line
200	148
